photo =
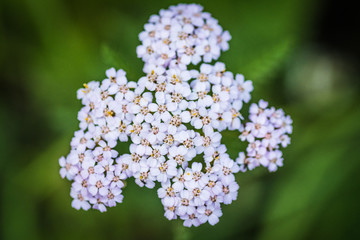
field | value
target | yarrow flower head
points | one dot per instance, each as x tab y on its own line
182	35
171	116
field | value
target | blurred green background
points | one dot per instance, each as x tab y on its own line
302	56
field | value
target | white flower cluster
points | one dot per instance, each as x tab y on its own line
173	117
266	131
182	35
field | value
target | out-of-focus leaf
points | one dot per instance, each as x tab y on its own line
43	172
313	178
111	58
268	62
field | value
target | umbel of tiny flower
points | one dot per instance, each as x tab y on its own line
170	116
